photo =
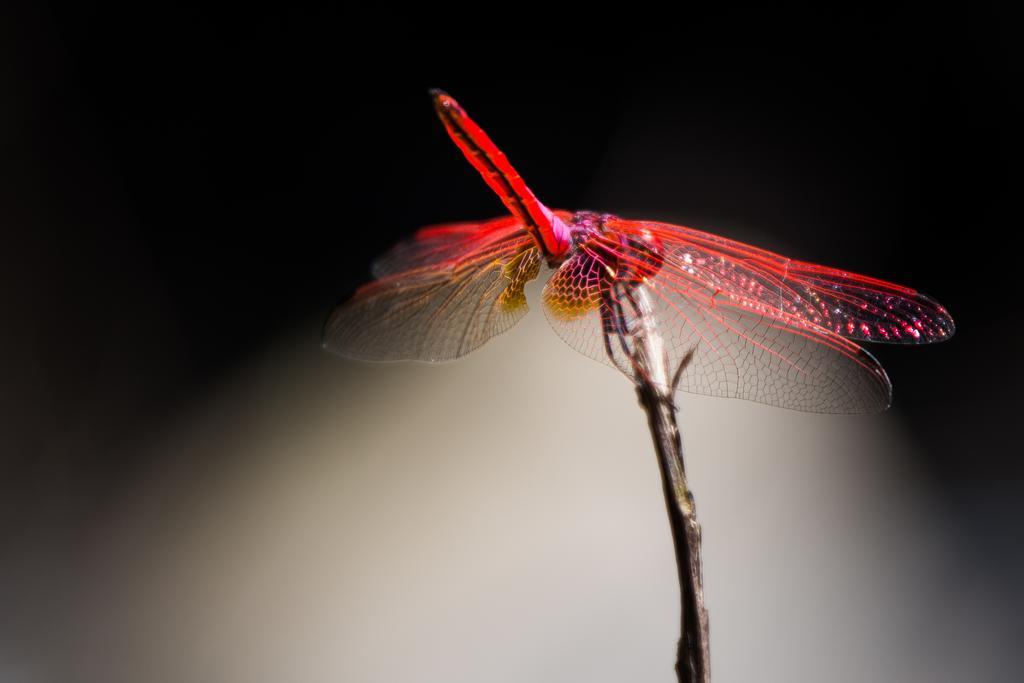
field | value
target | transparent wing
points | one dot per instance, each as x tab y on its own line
439	295
862	308
850	305
755	322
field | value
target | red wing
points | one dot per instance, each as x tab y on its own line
439	295
850	305
751	318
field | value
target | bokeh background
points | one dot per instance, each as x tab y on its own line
190	490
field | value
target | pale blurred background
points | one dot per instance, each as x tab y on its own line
501	519
192	492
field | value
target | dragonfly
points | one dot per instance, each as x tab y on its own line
744	321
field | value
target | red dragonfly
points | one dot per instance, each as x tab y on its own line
750	323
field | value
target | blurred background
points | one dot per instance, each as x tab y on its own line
190	490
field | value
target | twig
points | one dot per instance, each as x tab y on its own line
642	343
693	658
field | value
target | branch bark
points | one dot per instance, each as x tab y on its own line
638	338
693	657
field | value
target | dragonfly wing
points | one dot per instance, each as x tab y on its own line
863	308
725	310
439	295
850	305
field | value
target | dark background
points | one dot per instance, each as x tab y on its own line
180	188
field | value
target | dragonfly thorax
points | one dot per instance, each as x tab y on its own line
627	257
587	225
